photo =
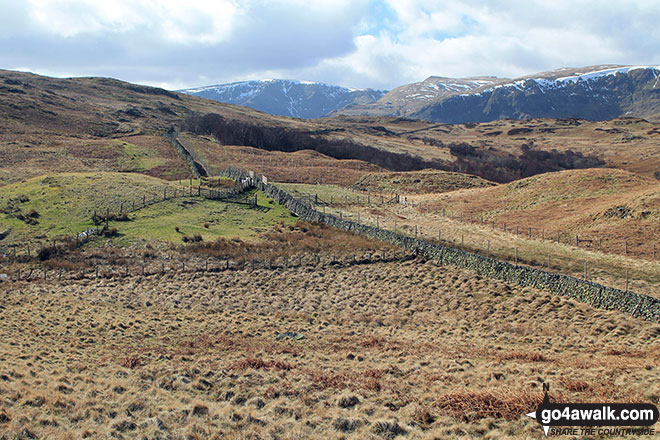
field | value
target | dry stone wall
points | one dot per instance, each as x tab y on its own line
604	297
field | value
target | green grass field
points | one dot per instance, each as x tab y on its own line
192	216
62	205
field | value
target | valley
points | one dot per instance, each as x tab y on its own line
200	307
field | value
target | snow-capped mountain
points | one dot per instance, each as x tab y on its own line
299	99
594	93
410	98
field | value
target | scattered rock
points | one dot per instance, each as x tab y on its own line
290	335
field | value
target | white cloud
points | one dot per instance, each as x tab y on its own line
358	43
193	21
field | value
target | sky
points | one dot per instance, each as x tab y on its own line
380	44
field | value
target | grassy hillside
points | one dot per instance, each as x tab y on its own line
613	204
419	182
60	205
605	208
100	124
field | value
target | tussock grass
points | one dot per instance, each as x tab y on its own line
388	347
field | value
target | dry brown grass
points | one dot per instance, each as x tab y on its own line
283	241
305	166
388	347
533	202
469	404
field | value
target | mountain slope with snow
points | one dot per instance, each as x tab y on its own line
409	98
593	93
299	99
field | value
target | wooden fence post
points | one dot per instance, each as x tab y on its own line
488	250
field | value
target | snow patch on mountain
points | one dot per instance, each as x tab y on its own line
587	78
295	98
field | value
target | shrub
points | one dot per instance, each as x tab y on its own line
112	232
388	428
131	362
423	416
468	405
47	253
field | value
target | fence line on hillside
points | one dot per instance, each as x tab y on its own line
210	266
117	212
582	241
583	290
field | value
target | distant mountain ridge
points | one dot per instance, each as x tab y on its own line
298	99
594	93
410	98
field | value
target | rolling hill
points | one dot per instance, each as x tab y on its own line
600	204
100	124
